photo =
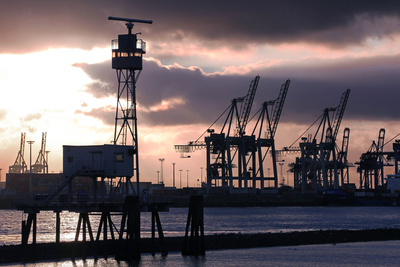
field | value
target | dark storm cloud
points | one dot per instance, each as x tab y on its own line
36	25
374	85
103	78
105	114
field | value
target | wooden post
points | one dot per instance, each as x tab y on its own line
194	244
105	218
131	216
83	222
26	229
57	227
155	218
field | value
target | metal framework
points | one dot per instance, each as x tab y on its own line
41	164
19	165
343	164
127	54
234	159
372	163
321	161
264	143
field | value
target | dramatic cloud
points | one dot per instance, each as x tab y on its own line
201	98
56	76
103	78
42	24
105	114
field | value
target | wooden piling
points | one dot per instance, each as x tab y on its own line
58	228
130	219
83	223
155	219
26	228
193	243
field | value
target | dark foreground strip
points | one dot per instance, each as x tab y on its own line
52	251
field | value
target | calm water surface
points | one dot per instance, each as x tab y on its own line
382	253
217	220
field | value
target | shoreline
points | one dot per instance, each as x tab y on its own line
64	250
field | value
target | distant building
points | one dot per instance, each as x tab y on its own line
41	183
393	183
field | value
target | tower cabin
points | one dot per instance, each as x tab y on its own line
127	52
98	161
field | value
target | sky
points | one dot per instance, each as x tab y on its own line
56	75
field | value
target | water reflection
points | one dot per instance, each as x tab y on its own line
216	220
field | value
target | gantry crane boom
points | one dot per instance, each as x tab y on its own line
342	154
339	113
278	108
246	106
242	119
381	140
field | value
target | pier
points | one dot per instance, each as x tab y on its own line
107	231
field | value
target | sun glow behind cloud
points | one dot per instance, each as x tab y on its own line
41	92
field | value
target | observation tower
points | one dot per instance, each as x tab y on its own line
127	53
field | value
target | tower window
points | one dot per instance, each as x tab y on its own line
119	157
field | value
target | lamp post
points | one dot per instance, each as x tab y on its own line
173	174
180	179
158	177
30	165
287	177
187	178
201	175
162	175
283	181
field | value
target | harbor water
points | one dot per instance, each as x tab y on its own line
238	220
349	254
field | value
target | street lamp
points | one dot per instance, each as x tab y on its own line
162	176
201	175
287	177
187	178
173	174
281	164
158	177
30	164
180	178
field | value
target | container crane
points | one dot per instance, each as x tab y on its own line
317	168
19	165
41	164
241	120
371	164
268	124
229	146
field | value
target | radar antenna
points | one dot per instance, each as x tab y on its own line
129	23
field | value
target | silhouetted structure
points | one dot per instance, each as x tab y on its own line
193	244
232	148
